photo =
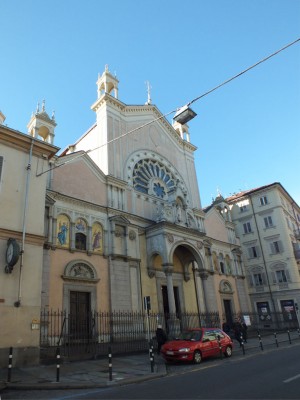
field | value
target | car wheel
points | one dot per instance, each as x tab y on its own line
228	351
197	357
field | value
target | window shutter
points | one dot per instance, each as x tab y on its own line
274	277
258	252
287	274
280	245
272	248
264	280
250	255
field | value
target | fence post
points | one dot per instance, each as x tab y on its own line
260	341
151	355
57	364
110	363
9	364
288	332
275	336
220	346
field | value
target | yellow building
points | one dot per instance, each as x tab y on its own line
22	199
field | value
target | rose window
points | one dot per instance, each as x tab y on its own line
152	177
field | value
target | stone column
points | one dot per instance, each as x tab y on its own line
204	275
173	322
89	240
72	236
199	290
171	299
54	234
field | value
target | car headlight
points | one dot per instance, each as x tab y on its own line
184	350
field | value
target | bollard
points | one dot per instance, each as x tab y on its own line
110	363
220	347
151	355
242	344
9	364
57	364
288	332
275	336
260	341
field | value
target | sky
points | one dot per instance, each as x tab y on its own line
247	132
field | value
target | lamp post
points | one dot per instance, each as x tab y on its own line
184	115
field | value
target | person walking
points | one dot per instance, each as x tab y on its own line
238	331
161	337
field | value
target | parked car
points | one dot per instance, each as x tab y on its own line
196	344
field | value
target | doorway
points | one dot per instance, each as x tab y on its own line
80	318
228	312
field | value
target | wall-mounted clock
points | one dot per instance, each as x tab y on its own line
12	254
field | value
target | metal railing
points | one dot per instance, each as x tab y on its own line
90	335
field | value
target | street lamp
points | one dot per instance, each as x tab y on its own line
184	115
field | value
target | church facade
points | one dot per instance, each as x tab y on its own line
126	223
120	221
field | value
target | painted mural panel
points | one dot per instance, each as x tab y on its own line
97	238
63	230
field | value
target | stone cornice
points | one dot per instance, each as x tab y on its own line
30	238
22	142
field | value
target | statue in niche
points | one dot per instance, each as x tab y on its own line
161	215
178	213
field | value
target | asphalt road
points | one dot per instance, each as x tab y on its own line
267	375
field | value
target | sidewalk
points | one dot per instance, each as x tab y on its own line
84	374
125	369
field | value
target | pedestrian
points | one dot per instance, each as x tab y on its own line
226	327
238	331
244	330
161	337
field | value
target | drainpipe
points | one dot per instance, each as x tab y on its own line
18	302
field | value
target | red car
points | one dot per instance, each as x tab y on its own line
196	344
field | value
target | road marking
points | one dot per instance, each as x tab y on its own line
292	378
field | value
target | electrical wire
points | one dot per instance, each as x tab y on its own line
173	111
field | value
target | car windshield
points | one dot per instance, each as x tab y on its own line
189	335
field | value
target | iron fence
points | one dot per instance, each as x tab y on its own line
89	336
265	323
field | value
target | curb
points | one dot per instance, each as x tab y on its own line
65	386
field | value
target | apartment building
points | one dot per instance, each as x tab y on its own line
267	222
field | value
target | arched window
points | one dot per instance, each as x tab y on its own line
152	177
80	234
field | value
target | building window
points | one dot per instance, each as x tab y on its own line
263	200
258	279
281	276
276	247
152	177
243	208
80	241
222	267
253	252
268	222
247	227
80	234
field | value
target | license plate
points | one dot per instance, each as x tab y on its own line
170	353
